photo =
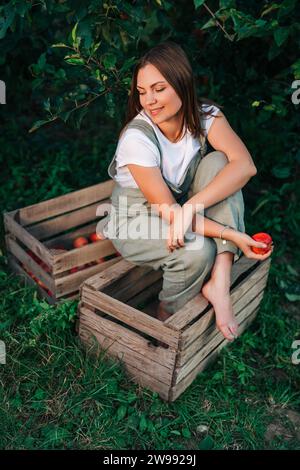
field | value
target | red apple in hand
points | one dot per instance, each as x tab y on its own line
264	238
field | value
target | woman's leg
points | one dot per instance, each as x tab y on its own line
230	212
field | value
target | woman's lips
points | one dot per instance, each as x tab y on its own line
154	113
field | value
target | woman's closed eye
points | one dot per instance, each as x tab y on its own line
162	89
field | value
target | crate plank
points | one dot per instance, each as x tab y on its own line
196	305
145	380
131	316
131	352
68	238
135	282
217	338
123	336
180	387
67	202
17	231
110	275
189	348
24	277
29	263
79	256
61	223
193	332
147	294
71	282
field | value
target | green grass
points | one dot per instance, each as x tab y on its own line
55	394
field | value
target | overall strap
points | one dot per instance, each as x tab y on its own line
148	130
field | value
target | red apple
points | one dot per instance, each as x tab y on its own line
95	237
74	270
264	238
79	242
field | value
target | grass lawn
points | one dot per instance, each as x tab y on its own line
56	395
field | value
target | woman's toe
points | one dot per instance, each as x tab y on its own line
226	332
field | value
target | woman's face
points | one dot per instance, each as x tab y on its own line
155	95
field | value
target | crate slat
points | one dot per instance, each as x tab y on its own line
71	282
67	202
217	338
188	348
180	387
111	275
17	231
124	336
13	264
196	305
68	238
196	329
79	256
132	352
129	315
29	263
61	223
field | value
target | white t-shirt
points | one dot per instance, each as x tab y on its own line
135	147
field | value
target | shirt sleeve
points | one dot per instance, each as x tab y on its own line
208	120
135	147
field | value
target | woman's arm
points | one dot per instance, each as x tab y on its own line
235	174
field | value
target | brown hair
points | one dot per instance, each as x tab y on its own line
172	62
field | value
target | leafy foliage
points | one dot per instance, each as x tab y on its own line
67	66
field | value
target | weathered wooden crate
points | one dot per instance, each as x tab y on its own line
32	233
117	314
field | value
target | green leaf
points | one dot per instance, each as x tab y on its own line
59	44
186	433
280	35
292	270
292	297
73	34
109	60
37	125
206	444
121	413
281	172
46	105
75	61
175	432
209	24
143	424
198	3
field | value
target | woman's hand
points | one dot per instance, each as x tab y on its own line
244	242
182	220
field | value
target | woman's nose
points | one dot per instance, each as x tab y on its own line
150	99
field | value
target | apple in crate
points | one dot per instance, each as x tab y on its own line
80	241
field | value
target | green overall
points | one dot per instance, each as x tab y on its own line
187	268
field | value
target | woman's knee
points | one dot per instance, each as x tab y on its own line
216	159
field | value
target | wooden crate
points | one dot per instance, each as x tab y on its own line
32	233
117	314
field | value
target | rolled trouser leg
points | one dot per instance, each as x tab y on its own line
186	271
229	211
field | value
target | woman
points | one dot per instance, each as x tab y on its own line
192	202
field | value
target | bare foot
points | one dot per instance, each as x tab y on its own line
220	299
